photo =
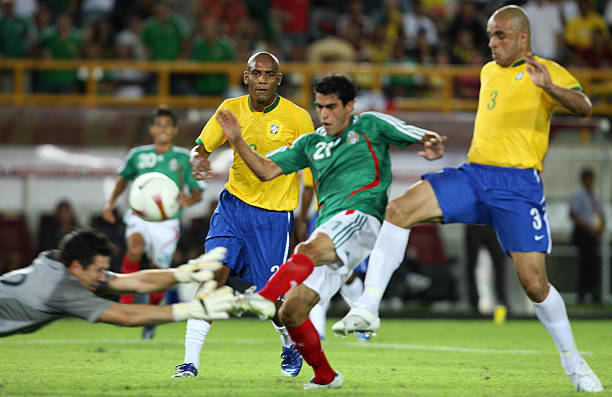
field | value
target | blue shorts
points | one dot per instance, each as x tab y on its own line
509	199
257	240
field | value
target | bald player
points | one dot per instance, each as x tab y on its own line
254	219
500	185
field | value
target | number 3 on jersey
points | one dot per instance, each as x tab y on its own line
493	98
323	150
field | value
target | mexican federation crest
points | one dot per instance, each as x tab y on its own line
352	137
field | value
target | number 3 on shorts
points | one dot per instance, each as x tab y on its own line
537	220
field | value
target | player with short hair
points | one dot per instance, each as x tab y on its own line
67	281
254	219
500	185
349	158
157	239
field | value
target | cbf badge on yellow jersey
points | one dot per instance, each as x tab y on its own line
274	128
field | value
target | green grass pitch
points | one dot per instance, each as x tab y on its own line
241	358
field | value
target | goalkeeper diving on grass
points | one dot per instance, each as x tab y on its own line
68	282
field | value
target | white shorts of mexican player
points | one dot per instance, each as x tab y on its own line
160	237
354	234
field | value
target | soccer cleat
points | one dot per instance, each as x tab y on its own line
584	379
291	361
358	319
185	370
148	332
337	382
250	302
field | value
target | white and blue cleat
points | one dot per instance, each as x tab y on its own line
185	370
291	361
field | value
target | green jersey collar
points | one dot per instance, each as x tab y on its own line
268	108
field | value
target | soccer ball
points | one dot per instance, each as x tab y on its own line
154	197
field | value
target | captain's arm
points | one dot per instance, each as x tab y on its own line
264	168
575	101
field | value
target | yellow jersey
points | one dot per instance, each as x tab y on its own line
278	125
513	119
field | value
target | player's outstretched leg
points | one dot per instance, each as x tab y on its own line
552	314
386	256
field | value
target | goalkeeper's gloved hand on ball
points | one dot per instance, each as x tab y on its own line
210	304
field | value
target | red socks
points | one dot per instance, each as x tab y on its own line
128	266
290	274
156	297
308	343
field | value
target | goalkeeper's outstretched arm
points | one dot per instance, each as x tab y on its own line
146	281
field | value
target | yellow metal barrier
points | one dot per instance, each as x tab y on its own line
596	82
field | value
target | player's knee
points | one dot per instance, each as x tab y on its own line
396	213
290	318
311	250
535	288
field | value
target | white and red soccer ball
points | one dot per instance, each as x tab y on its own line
154	197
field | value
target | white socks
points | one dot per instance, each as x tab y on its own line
284	335
195	335
552	314
352	292
317	315
387	254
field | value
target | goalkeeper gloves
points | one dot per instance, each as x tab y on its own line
202	268
210	304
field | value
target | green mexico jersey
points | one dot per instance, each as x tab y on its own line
174	164
351	170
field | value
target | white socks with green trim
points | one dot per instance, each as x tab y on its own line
387	254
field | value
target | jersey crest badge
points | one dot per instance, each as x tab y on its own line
352	137
274	128
519	76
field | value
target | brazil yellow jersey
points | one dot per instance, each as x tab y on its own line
513	119
278	125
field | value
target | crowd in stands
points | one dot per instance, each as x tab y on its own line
401	32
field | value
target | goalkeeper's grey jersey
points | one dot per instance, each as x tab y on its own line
43	292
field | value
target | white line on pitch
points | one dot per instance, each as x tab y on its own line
369	345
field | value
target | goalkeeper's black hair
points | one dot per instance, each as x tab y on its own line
82	245
164	111
338	84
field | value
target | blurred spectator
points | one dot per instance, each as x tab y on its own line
15	32
42	24
52	231
464	51
232	12
589	223
131	35
417	21
546	28
379	47
599	54
165	34
479	237
356	16
331	49
579	30
63	43
26	8
128	83
608	13
92	10
209	46
166	38
466	18
57	7
116	234
293	17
